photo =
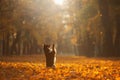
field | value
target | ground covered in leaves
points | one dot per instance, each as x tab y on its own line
67	68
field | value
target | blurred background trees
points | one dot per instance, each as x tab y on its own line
79	27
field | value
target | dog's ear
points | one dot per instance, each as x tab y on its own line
44	45
53	46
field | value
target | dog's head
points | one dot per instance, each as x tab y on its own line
49	48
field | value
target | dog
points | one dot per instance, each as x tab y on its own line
50	54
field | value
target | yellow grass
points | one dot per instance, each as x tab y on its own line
67	68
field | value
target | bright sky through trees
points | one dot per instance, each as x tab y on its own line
59	2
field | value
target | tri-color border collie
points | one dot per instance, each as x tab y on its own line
50	54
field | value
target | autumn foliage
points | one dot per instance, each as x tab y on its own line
69	68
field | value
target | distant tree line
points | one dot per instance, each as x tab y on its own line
83	27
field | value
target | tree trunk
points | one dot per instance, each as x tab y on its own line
105	19
3	44
7	43
14	47
117	39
